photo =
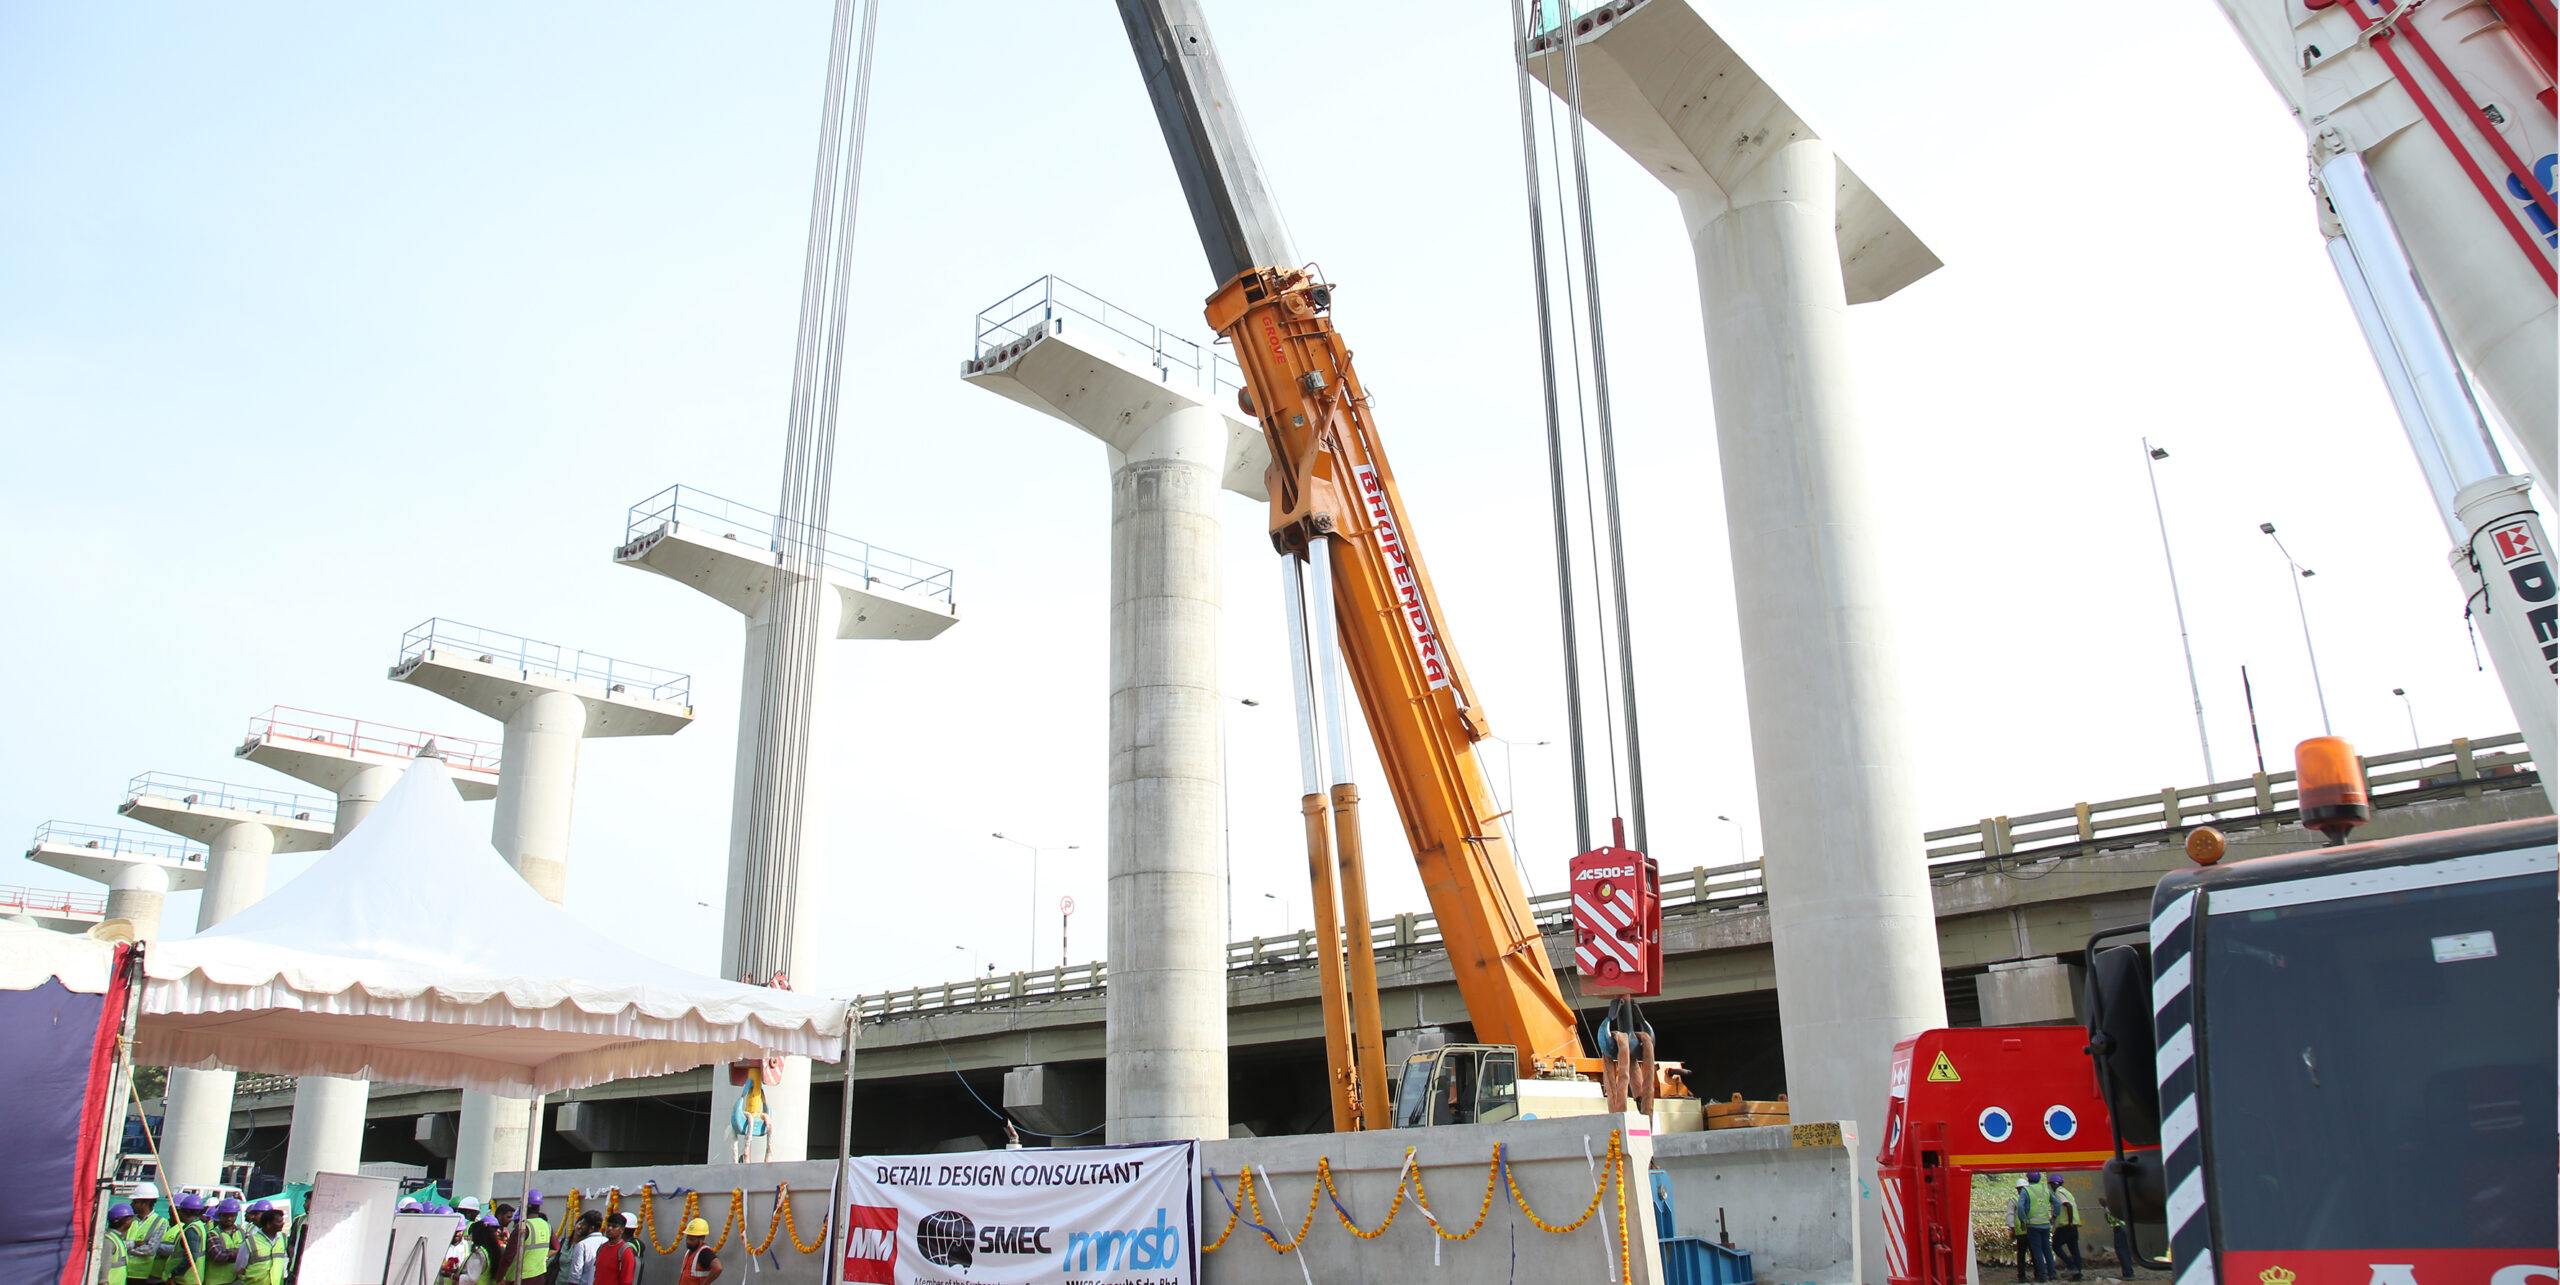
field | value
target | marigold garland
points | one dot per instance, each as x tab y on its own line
784	1217
1497	1171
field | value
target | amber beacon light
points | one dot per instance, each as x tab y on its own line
2331	783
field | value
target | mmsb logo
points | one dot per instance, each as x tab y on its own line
1139	1249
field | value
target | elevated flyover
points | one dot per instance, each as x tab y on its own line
2016	897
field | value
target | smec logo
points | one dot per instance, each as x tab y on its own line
946	1239
871	1245
1138	1250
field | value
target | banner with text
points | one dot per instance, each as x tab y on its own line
1127	1215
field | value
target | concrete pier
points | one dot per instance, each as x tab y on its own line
241	827
1171	448
358	762
549	698
139	870
1786	237
726	551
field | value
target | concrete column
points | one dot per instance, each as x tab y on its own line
537	786
727	552
327	1135
1174	446
1166	1009
489	1139
198	1117
786	1104
136	893
548	699
1851	923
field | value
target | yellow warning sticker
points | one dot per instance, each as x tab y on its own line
1943	1071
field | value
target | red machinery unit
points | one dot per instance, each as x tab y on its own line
1990	1099
1617	921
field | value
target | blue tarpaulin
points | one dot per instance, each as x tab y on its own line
57	1053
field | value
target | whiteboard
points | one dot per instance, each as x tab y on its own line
419	1243
349	1236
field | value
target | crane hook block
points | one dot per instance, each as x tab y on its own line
1617	921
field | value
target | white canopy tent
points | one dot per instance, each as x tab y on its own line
413	953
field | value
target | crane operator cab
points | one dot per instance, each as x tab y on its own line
1459	1084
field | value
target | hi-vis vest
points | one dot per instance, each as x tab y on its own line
138	1236
264	1263
537	1245
2039	1206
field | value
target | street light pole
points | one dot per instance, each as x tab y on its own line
1032	960
1226	817
2151	455
2403	694
1741	845
2300	574
1288	913
1511	800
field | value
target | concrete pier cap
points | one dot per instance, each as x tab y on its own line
138	869
1786	236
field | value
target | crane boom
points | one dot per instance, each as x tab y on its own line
1334	497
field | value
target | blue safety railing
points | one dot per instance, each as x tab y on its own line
197	792
691	506
535	658
1051	304
116	841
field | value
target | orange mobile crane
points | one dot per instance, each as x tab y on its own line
1340	523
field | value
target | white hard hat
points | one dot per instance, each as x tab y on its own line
472	1203
146	1191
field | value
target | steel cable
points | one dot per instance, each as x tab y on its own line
768	909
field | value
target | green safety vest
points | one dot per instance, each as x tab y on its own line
217	1241
264	1263
537	1245
2039	1206
2066	1208
117	1250
139	1234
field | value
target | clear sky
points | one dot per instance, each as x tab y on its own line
317	321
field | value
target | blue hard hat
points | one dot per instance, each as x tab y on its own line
533	1198
119	1210
189	1202
488	1220
229	1205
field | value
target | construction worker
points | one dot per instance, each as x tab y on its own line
142	1240
533	1256
2066	1227
223	1241
262	1249
700	1265
2035	1212
2018	1234
182	1254
2125	1259
119	1250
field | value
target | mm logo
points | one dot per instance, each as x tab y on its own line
871	1245
1139	1250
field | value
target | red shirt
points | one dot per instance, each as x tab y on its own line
617	1263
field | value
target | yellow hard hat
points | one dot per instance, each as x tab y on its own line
697	1227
